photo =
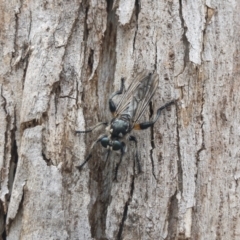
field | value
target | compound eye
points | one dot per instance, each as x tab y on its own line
116	145
105	142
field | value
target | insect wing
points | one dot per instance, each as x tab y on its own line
128	95
150	88
138	95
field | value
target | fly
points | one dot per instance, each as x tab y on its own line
126	116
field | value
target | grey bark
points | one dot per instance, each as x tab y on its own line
60	61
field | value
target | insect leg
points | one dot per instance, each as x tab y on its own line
145	125
118	164
112	106
132	138
90	152
92	128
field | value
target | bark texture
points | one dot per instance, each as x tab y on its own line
59	63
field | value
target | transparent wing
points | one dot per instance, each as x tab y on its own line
150	89
128	95
138	95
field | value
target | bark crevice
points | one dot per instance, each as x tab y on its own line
4	101
4	174
125	211
30	24
202	129
47	160
184	37
152	143
26	59
137	11
9	220
3	221
31	124
179	162
202	147
13	161
173	217
17	11
101	177
12	172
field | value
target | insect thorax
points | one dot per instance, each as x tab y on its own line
119	127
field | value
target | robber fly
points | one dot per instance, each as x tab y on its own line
126	116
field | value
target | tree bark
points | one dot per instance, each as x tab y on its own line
60	61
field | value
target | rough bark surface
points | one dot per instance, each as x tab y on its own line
59	63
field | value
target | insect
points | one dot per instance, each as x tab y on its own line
126	116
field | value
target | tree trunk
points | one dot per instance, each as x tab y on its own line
60	61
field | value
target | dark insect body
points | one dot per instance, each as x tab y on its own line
127	115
